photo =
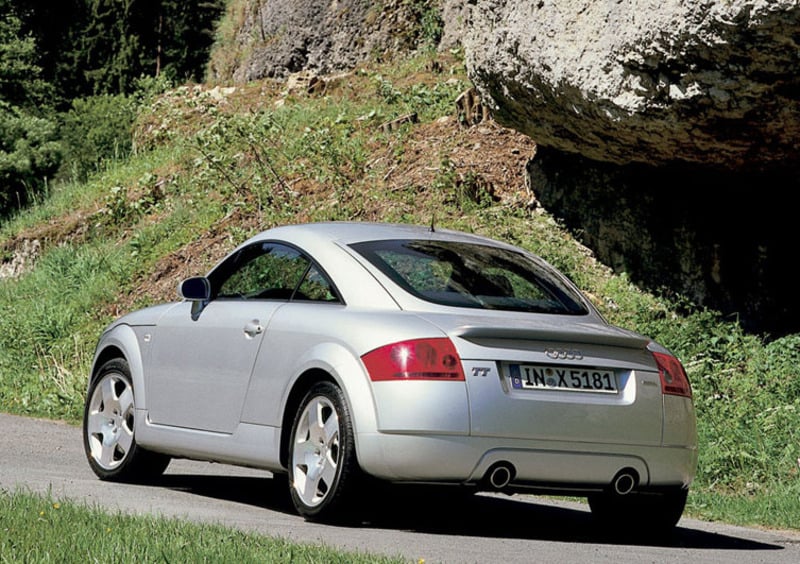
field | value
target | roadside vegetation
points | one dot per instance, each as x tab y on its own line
33	529
210	166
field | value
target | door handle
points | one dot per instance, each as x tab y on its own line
253	328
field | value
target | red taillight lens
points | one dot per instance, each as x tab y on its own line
419	359
673	377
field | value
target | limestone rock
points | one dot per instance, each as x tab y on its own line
650	81
277	38
20	259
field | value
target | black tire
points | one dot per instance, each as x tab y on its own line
324	475
278	492
108	429
653	514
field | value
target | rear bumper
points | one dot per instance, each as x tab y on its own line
549	465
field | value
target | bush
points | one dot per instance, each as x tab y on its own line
96	130
99	129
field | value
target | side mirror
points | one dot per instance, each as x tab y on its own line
196	289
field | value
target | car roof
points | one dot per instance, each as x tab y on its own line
328	242
349	232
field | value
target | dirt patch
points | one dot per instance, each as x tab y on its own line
487	156
497	155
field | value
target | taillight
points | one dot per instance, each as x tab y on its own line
673	377
419	359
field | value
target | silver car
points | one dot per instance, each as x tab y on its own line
336	353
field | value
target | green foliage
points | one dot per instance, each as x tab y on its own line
29	153
90	47
749	397
95	130
98	129
187	33
125	205
20	75
228	52
256	154
777	507
46	322
429	102
428	16
465	190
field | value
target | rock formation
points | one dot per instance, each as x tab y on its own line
652	81
276	38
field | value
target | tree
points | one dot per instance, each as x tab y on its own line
54	53
56	28
29	153
29	149
20	75
187	37
89	47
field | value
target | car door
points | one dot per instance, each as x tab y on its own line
201	361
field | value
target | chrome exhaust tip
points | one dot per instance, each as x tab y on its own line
625	482
500	475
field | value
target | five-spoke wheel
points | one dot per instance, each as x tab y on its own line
322	462
108	428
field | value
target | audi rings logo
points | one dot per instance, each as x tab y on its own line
564	354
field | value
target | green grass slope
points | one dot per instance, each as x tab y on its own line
213	166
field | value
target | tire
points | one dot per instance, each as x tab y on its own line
279	495
645	513
324	474
108	429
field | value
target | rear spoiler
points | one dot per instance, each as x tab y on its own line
584	334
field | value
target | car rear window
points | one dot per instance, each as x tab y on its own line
471	275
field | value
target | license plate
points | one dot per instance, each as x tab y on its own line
568	378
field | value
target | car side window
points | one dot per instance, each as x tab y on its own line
263	271
271	271
316	287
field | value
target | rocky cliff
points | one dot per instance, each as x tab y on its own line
274	38
651	81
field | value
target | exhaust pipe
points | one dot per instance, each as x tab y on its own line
625	482
500	475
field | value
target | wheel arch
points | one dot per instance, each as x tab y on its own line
342	368
108	353
121	342
301	387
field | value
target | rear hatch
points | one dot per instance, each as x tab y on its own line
552	378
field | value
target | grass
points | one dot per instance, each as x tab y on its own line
777	507
33	529
207	173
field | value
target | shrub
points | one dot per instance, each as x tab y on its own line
96	130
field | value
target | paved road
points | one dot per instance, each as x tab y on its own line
46	456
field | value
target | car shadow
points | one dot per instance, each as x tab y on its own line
258	491
433	511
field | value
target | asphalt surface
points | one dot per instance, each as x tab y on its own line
46	456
